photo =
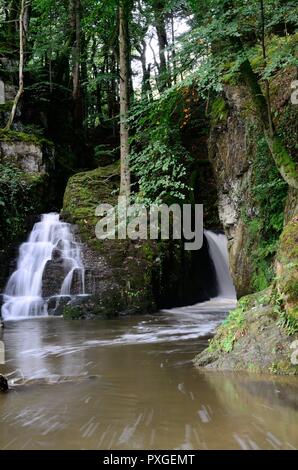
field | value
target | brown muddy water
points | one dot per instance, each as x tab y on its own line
129	383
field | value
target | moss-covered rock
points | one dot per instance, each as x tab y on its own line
129	276
287	268
253	338
219	111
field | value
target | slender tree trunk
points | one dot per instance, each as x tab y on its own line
124	100
23	26
75	31
283	160
160	26
267	86
13	9
85	40
146	69
95	74
173	48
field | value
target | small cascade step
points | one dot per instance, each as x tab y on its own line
49	271
218	251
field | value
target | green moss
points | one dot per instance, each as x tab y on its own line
21	194
84	192
234	326
288	258
219	111
266	223
284	160
6	107
15	136
283	367
230	329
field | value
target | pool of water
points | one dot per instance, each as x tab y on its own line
130	383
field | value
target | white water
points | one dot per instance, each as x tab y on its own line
226	296
218	250
23	293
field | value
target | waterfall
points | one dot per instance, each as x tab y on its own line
23	296
218	250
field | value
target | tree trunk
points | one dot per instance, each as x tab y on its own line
283	160
146	72
267	86
124	100
13	9
173	48
160	26
22	36
75	31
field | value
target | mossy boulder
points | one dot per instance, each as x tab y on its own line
254	337
129	276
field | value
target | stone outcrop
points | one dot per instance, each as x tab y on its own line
130	276
255	337
27	156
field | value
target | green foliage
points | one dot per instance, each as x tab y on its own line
232	327
269	192
158	157
31	136
288	322
161	173
72	312
219	111
19	196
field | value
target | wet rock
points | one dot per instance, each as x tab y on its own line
56	304
251	339
3	384
53	276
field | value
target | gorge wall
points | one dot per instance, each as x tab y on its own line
259	214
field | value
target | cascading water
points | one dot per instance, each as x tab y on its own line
226	295
218	251
23	296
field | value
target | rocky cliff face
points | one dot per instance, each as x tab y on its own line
260	216
261	335
27	156
251	192
231	150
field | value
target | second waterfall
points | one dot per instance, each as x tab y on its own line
50	239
